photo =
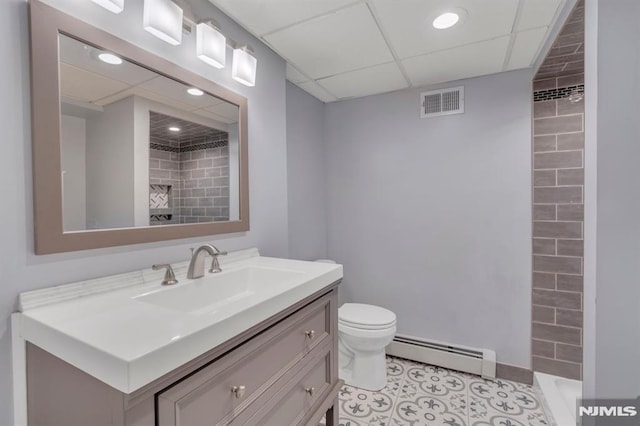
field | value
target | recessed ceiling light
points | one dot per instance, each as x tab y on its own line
195	91
110	58
174	129
446	20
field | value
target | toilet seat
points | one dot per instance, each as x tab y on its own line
366	317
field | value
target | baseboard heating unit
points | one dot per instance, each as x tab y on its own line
462	358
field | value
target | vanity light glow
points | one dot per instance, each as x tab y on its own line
115	6
163	19
244	67
211	45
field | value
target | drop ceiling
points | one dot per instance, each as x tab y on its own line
88	82
339	49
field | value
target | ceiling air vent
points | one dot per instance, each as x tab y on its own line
442	102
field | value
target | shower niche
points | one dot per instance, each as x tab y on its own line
161	205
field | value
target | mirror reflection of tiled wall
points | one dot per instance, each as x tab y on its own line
195	165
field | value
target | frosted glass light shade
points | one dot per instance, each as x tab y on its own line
244	67
163	19
211	45
115	6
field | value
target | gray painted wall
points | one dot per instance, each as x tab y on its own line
21	269
432	217
73	148
306	169
111	179
612	205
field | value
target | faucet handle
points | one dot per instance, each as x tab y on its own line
169	276
215	265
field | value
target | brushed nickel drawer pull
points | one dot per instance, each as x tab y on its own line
238	391
310	390
310	333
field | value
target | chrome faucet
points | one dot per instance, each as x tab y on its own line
196	266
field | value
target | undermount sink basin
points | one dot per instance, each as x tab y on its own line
224	290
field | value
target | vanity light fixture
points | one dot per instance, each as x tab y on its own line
194	91
244	66
174	129
110	58
163	19
446	20
211	45
115	6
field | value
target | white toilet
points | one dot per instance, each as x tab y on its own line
364	331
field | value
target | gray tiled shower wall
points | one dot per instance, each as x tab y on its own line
558	182
558	204
199	182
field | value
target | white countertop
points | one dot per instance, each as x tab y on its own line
99	327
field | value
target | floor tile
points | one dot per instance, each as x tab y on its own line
420	394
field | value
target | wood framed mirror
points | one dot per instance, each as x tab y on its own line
128	147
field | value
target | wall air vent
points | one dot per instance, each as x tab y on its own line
442	102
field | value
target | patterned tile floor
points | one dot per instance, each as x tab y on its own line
419	394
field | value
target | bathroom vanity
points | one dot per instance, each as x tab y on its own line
255	344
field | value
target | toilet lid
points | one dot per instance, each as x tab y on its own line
365	316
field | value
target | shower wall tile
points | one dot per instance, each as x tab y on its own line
557	160
570	248
544	143
570	282
556	299
558	210
571	176
557	333
555	125
544	212
544	280
544	246
544	314
543	348
569	353
571	212
557	229
557	264
571	318
544	177
561	195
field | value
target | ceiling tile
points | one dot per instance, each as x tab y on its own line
368	81
81	85
537	13
226	110
408	23
172	89
152	96
81	55
343	41
312	88
212	116
525	47
264	16
295	76
454	64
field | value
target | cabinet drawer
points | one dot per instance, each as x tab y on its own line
293	402
250	368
